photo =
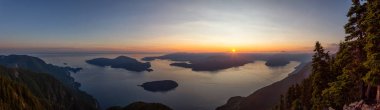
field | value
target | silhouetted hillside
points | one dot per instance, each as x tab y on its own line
38	65
27	90
141	106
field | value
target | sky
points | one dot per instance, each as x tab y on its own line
170	25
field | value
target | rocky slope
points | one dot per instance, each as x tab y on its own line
361	105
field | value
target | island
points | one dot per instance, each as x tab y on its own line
160	86
215	63
277	62
124	62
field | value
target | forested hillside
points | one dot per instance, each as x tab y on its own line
26	90
353	74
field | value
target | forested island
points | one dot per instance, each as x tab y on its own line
123	62
159	86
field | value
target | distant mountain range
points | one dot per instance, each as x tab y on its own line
219	61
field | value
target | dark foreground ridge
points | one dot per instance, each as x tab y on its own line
160	86
26	90
48	87
121	62
141	106
38	65
266	98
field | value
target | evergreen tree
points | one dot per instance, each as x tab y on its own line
296	105
341	80
372	29
354	26
306	94
282	103
290	96
355	41
348	86
336	95
321	75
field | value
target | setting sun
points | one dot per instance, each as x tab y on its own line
233	50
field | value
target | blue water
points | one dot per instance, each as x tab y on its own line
196	90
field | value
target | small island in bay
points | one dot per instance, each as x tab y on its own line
160	86
277	62
124	62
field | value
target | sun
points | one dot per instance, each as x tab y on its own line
233	50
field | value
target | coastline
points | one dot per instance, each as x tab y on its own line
267	97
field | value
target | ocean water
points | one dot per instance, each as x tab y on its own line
196	90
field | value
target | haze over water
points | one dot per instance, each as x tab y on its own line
196	90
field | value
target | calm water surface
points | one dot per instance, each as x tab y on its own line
196	90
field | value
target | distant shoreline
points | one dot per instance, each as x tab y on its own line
267	97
